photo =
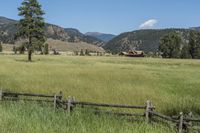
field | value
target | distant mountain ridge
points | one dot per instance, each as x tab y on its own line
145	40
195	28
9	28
101	36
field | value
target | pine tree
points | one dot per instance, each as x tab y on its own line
185	52
194	44
46	48
31	26
87	52
170	46
15	49
81	53
1	47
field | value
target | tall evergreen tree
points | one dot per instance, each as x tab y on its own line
170	46
31	26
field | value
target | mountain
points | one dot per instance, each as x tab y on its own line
70	35
195	28
71	46
101	36
9	29
145	40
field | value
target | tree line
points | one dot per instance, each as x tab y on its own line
174	46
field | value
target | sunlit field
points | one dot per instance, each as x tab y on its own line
172	86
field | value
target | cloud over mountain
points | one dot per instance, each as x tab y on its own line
148	24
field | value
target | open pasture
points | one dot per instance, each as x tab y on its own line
172	85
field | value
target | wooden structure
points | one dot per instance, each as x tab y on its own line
132	53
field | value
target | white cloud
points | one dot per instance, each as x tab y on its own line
148	24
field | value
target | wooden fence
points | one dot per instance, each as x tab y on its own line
183	122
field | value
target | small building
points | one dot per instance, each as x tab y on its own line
132	53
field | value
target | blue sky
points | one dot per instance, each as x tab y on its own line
114	16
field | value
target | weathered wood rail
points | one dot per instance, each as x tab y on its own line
168	118
108	105
183	122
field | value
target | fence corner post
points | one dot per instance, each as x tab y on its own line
147	114
180	128
55	102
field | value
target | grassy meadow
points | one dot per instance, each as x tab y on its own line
172	86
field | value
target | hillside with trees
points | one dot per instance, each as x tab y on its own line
145	40
173	46
9	29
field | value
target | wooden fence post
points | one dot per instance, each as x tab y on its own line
147	114
69	104
1	95
55	102
190	116
180	128
61	96
73	100
189	122
59	100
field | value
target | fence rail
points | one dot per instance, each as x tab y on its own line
163	116
10	94
183	122
25	99
192	119
108	105
116	113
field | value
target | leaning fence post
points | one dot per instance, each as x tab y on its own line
55	102
1	95
180	128
147	114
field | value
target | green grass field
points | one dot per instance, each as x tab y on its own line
172	86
